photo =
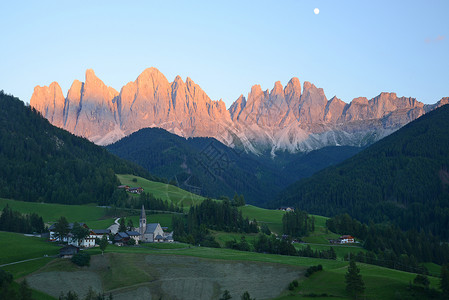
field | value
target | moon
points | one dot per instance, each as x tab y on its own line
316	11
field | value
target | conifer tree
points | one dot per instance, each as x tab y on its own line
354	282
444	283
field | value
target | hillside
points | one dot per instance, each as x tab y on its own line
42	163
402	179
207	167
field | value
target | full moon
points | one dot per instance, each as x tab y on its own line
316	11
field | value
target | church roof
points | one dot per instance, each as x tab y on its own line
151	228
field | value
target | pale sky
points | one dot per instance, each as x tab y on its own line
350	49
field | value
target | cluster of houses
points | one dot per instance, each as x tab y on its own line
145	233
344	239
134	190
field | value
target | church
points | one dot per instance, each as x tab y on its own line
152	232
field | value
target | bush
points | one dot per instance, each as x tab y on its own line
81	259
313	269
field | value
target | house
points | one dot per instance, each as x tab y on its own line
125	187
286	208
134	235
87	242
99	233
135	190
122	238
68	251
346	239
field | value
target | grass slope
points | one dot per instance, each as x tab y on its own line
51	212
163	191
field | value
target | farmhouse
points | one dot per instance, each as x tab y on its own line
346	239
99	233
87	242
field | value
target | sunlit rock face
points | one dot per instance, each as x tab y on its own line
283	118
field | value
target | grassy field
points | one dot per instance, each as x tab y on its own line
273	218
51	212
17	247
163	191
381	283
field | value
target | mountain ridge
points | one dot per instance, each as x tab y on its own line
283	118
402	179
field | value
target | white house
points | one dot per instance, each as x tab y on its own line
87	242
346	239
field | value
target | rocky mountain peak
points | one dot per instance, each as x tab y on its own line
285	118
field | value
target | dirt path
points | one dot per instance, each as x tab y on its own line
21	261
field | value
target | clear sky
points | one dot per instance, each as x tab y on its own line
350	49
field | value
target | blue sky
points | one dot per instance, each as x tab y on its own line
350	49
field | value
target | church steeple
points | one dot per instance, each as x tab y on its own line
143	221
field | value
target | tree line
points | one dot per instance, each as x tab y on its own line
215	215
14	221
390	246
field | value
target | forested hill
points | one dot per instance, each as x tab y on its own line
208	167
403	178
40	162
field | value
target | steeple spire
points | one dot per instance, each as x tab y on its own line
143	222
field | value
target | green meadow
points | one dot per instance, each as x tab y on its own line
172	194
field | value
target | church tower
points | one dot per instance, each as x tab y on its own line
142	222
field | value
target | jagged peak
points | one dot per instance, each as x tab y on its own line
336	100
151	73
307	85
360	100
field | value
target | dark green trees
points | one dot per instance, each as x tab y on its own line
444	283
79	232
354	282
297	223
61	229
103	243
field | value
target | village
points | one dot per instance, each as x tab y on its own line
145	233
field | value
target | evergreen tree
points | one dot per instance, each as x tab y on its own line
354	282
61	229
226	295
103	243
25	291
246	296
444	282
122	227
130	224
79	232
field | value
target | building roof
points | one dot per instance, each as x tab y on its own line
159	237
121	235
70	249
346	237
151	228
52	227
101	231
132	233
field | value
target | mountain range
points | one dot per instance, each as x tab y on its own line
283	119
402	179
